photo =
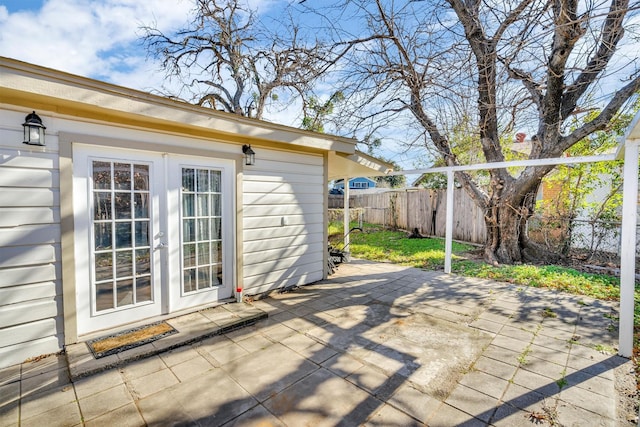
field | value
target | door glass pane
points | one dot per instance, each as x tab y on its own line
143	289
121	247
216	205
203	254
215	181
201	223
124	264
123	235
101	175
204	277
189	230
122	176
188	180
141	177
216	230
122	205
141	205
188	205
104	266
203	205
189	255
142	233
203	229
143	262
124	292
102	232
189	280
102	206
104	296
203	181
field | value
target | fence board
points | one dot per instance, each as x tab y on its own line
423	209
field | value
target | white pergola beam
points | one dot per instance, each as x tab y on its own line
511	164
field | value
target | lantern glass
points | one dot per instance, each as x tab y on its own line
249	155
33	130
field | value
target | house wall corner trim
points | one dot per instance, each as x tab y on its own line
67	245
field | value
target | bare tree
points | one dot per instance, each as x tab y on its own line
531	63
233	62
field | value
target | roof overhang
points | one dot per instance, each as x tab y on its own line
355	165
632	133
33	87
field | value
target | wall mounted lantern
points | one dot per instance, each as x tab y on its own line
33	130
249	155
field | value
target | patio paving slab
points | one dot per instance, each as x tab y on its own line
375	345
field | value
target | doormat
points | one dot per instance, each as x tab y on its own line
125	340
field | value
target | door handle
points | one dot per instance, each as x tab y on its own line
161	245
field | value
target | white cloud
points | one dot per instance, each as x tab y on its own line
98	39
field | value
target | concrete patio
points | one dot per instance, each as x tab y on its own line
375	345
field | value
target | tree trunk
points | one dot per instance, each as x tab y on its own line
507	236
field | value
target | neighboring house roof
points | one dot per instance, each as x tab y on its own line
35	87
356	179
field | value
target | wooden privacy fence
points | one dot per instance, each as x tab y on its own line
419	208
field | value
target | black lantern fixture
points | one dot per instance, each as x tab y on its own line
33	130
249	155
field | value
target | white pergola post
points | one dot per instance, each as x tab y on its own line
347	217
628	247
448	239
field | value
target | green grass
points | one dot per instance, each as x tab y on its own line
544	276
378	244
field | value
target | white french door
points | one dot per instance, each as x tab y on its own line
153	234
201	241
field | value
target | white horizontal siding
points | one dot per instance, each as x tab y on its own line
29	311
26	332
283	214
10	217
19	256
30	289
25	293
280	220
282	243
27	178
20	352
300	275
276	232
29	197
27	275
21	235
255	258
283	263
257	211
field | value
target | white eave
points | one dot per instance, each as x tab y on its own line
632	133
356	165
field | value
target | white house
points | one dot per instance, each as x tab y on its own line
139	207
